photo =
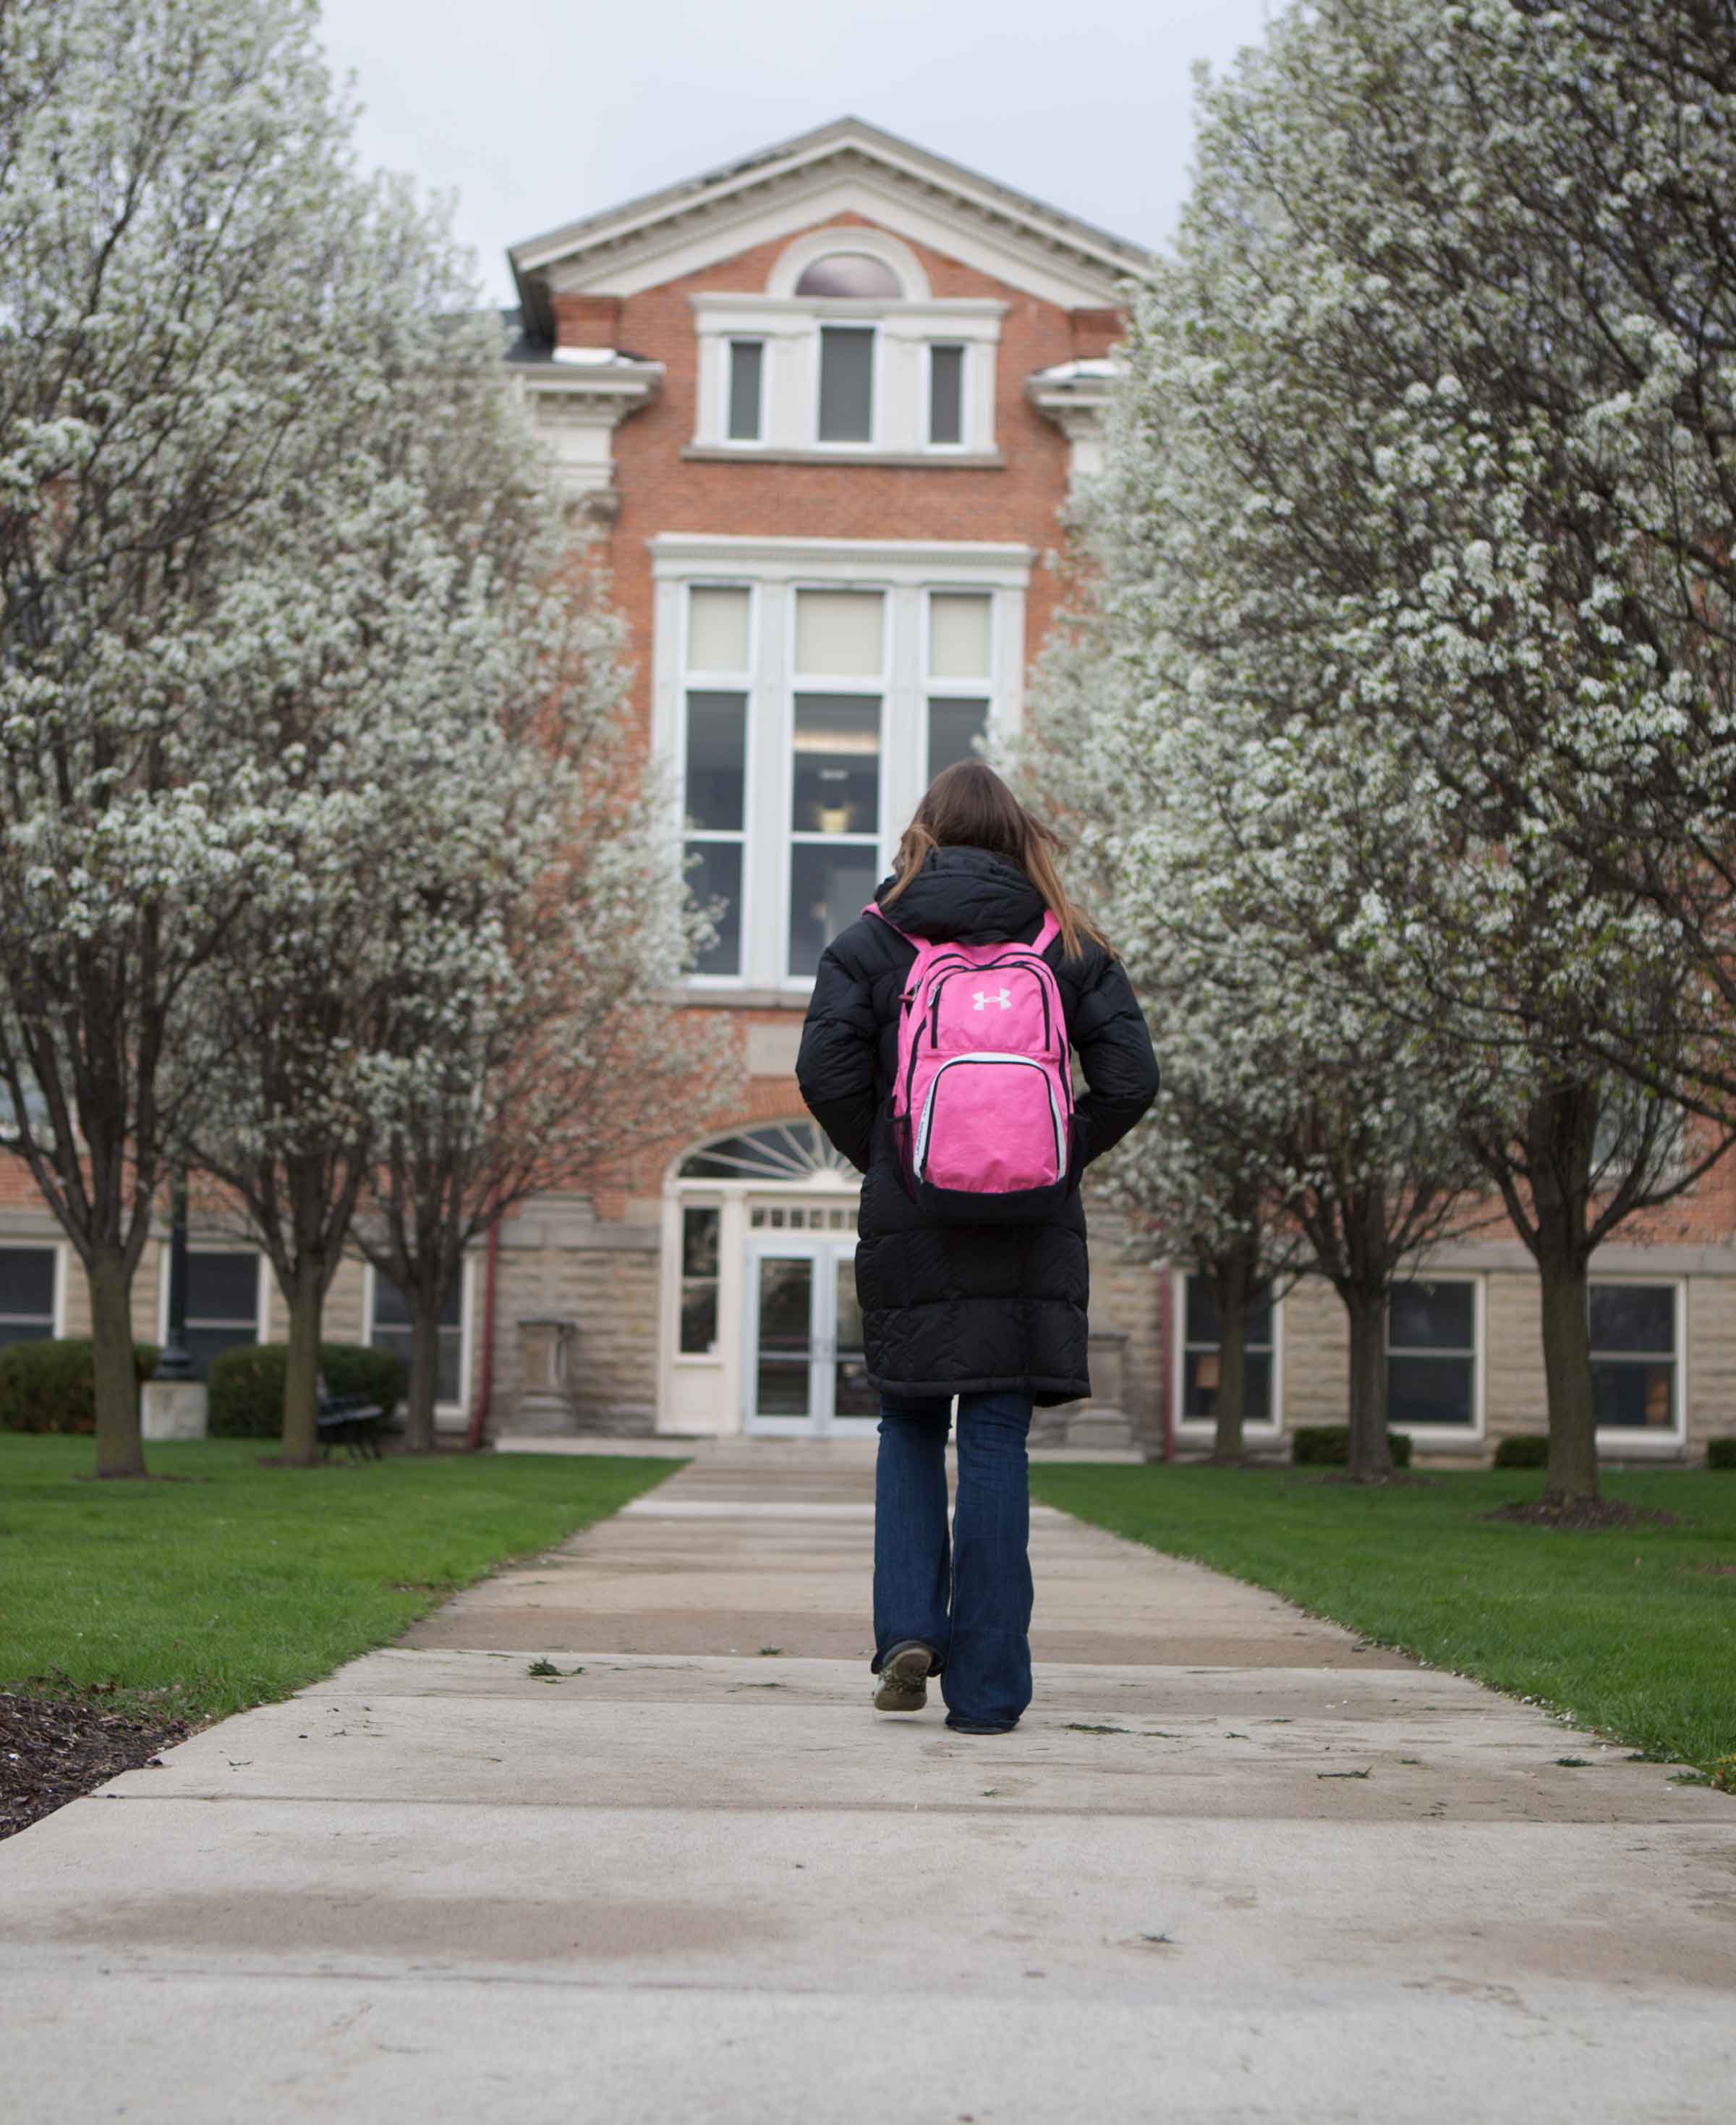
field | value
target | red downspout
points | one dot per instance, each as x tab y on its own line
1166	1329
479	1415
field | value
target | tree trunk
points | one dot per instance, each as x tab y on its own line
425	1367
305	1298
1370	1456
1567	1365
119	1442
1234	1289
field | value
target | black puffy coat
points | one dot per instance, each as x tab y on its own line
948	1309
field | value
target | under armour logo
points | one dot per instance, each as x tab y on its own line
1004	997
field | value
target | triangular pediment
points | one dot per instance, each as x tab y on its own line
847	167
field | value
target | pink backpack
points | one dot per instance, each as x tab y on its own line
983	1100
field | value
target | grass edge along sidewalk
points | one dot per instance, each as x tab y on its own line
220	1584
1630	1631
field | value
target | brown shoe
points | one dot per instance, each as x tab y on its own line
904	1677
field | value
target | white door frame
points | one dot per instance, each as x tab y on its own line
824	1251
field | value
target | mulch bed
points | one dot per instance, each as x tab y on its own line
54	1748
1586	1513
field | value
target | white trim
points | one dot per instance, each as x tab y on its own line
864	241
1623	1442
1203	1427
684	554
691	680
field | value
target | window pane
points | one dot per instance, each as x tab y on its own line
205	1344
699	1230
1634	1397
953	728
716	630
1429	1391
839	634
946	394
27	1281
745	359
391	1310
717	754
1632	1316
837	765
828	890
846	385
448	1387
1202	1314
1200	1377
223	1287
851	273
786	1311
958	634
714	874
699	1318
1425	1315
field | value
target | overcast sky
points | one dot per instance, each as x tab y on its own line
537	111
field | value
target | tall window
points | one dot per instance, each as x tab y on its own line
389	1329
1201	1355
700	1226
960	658
838	694
946	397
1634	1361
26	1294
847	383
714	782
746	421
223	1304
1432	1353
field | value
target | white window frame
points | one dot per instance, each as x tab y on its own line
1618	1443
726	347
466	1321
953	689
261	1289
692	681
879	688
902	572
15	1243
1431	1436
1192	1428
963	350
852	320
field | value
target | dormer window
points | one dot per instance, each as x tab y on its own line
847	353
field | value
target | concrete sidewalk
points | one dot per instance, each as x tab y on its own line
1233	1866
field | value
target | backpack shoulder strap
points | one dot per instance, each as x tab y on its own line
1046	935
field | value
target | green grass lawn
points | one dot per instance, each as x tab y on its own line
237	1583
1632	1631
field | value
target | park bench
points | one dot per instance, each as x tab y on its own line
350	1420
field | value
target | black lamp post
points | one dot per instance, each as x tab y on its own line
176	1361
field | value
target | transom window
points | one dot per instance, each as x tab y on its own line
1202	1355
811	717
1431	1354
780	1151
1635	1365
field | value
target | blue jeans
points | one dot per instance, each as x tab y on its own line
970	1600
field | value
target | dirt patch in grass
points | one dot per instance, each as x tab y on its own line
1583	1512
54	1748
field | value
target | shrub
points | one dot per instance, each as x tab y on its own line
52	1386
1721	1453
1328	1446
1526	1450
247	1384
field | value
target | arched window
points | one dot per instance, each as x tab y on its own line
778	1152
851	273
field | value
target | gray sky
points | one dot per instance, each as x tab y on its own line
536	112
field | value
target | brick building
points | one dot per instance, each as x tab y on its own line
818	411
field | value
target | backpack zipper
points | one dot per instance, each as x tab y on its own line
989	1055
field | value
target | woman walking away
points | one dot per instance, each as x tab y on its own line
936	1057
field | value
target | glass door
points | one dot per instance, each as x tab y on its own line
804	1374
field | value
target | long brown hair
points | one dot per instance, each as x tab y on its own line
968	806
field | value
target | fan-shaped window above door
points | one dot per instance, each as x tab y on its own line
778	1152
851	273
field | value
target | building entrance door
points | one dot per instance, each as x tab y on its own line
802	1374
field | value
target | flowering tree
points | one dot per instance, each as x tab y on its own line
1385	511
171	201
